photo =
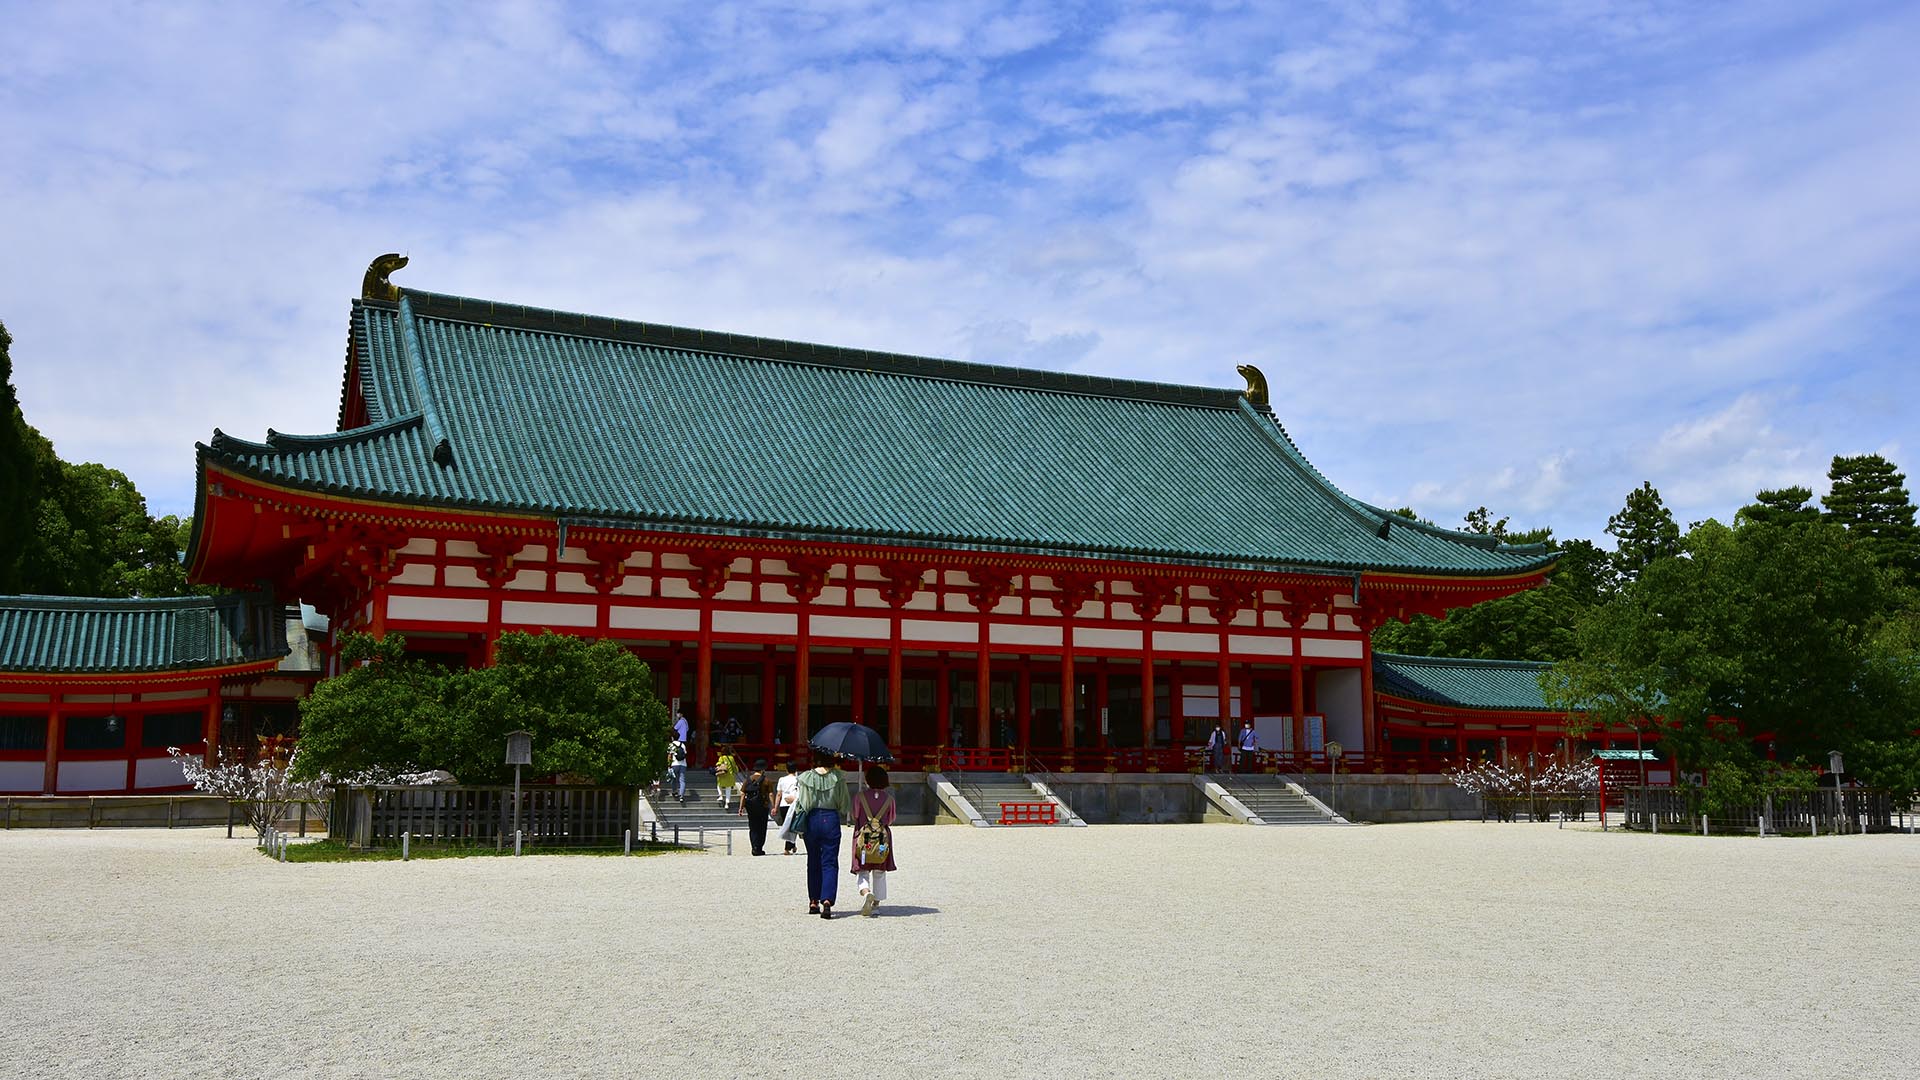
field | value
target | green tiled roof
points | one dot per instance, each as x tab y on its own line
51	634
1470	684
605	422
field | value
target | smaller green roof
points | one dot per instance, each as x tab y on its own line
82	635
1467	684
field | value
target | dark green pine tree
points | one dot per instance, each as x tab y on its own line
1645	530
1786	506
19	487
1870	499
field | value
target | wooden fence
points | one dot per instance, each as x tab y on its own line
1849	810
1540	806
550	816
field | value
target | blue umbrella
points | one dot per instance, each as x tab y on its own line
849	740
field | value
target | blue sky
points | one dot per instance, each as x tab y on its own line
1504	254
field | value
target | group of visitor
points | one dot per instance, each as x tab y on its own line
814	805
1245	748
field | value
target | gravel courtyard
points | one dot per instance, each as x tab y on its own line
1454	949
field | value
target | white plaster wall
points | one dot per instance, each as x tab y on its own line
436	609
22	775
683	620
92	775
537	614
1338	695
157	772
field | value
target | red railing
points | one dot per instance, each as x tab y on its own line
1127	759
1027	813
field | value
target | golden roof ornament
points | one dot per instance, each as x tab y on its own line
1256	391
375	285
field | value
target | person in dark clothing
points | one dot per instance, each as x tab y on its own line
753	796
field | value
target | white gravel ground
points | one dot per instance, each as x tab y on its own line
1455	949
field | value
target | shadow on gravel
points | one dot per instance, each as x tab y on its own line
891	911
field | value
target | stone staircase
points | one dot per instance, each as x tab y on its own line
1274	801
987	790
699	812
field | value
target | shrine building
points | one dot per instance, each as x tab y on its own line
93	692
988	559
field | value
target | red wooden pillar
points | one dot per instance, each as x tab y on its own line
942	693
1368	718
131	725
769	676
1223	677
56	726
703	687
1148	720
1176	706
983	693
210	727
802	680
893	684
1067	695
1297	675
1023	702
859	687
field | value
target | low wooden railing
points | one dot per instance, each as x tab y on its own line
549	816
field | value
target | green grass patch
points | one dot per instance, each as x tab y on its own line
329	851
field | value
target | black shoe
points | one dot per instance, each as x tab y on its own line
826	909
813	909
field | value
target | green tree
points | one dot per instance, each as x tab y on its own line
1869	498
75	530
19	474
1480	522
1786	506
376	715
590	706
1534	625
1645	530
92	537
1765	630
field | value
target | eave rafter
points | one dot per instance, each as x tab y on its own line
301	540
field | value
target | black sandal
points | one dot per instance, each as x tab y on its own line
813	909
826	909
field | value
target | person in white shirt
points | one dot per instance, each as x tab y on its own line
785	793
677	768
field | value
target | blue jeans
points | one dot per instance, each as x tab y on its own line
677	776
823	856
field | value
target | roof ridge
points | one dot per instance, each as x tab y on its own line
546	320
48	602
1409	658
280	441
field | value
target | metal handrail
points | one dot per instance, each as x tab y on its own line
1030	765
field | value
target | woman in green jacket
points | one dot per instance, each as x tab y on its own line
822	806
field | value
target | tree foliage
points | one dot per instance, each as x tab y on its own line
1785	506
1781	632
1869	499
1645	530
19	473
1534	625
75	529
590	706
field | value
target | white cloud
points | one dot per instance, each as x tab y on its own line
1521	260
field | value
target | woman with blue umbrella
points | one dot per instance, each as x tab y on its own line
823	806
